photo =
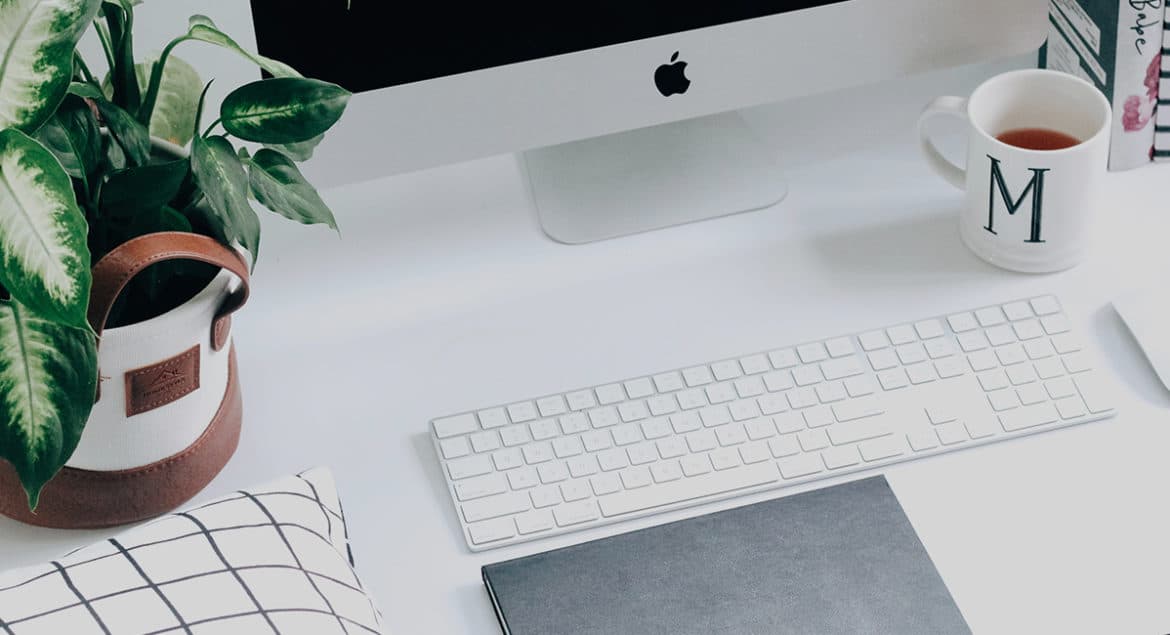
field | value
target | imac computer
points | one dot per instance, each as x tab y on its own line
622	113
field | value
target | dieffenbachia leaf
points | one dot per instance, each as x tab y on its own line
279	186
132	137
48	378
173	118
37	38
44	260
301	151
201	28
74	138
81	89
283	110
142	190
119	16
221	176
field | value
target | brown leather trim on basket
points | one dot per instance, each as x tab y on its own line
85	499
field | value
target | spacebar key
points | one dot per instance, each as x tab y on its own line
688	489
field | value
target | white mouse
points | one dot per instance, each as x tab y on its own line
1148	317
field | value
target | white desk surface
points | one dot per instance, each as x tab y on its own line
443	295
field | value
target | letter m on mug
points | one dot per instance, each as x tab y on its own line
1000	191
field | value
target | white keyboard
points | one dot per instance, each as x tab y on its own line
564	462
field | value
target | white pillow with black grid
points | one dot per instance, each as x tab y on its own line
273	559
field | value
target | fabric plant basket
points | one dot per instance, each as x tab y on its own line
168	411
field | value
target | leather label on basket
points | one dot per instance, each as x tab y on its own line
155	386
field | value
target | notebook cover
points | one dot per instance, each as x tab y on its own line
844	559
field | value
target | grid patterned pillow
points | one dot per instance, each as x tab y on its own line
273	559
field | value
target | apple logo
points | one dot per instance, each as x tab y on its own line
671	79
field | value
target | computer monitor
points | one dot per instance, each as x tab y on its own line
589	94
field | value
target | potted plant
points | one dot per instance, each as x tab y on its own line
127	234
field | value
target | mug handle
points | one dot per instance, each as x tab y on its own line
954	107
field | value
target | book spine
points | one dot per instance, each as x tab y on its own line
1116	45
1162	130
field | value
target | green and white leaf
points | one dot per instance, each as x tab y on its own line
283	110
48	379
44	260
37	38
132	137
279	186
173	118
74	138
221	176
201	28
300	151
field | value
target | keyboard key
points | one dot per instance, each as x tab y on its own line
884	359
656	429
691	399
952	433
696	464
1022	374
694	488
552	472
639	388
755	365
842	368
725	458
672	448
1030	417
857	409
702	441
508	459
893	379
972	341
576	490
454	426
564	447
812	353
685	422
1011	354
754	453
911	353
994	380
921	373
604	417
454	448
839	347
782	359
485	441
596	440
1055	324
807	375
749	387
534	522
874	340
721	393
468	467
812	440
538	452
1046	305
861	430
923	440
669	382
580	400
1028	329
939	348
950	367
783	446
1000	335
714	416
837	458
802	398
962	322
1071	408
1005	399
698	376
990	316
758	429
778	381
884	448
551	406
981	427
1039	349
610	394
576	513
614	459
831	392
1066	343
1031	394
662	405
860	386
606	484
726	370
940	413
819	417
666	471
522	412
480	486
1076	363
1049	368
636	477
584	465
1017	311
789	422
1098	395
544	429
929	329
800	465
983	360
730	435
633	411
493	418
1060	388
744	410
495	506
627	434
491	531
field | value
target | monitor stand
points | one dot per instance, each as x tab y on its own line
651	178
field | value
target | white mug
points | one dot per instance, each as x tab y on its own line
1027	210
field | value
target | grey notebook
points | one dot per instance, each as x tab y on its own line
844	559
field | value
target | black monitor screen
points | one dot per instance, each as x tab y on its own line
374	43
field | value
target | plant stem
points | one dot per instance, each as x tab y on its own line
80	64
212	127
156	73
107	44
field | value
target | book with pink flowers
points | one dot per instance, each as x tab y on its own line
1117	45
1162	129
